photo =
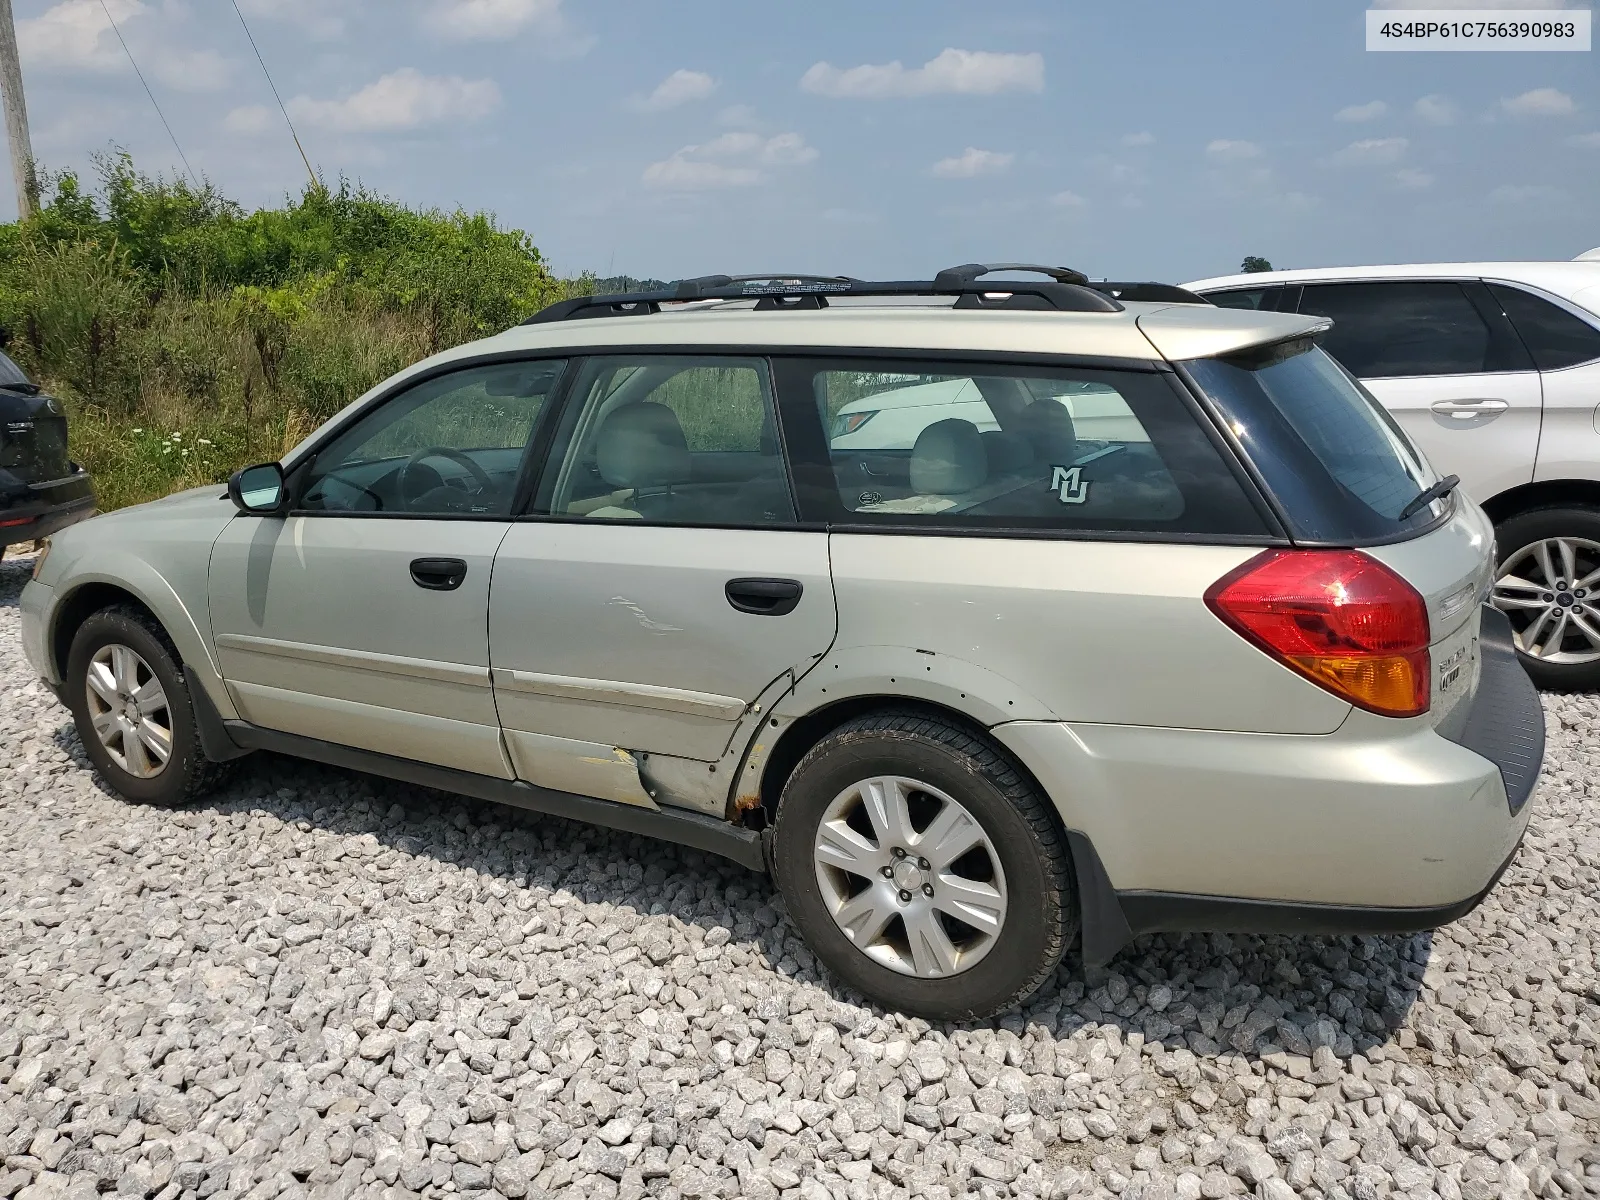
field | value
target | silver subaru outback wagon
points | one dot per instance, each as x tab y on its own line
988	615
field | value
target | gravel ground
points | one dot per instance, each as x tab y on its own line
321	983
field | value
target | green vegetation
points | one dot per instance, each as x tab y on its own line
189	337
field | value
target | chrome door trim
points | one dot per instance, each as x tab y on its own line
609	691
357	660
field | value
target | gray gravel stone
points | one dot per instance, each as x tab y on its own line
317	985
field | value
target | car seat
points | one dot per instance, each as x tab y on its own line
641	447
947	461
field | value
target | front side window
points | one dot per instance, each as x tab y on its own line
1393	330
671	440
970	446
1555	337
449	446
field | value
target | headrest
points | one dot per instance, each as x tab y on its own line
642	446
1049	428
948	459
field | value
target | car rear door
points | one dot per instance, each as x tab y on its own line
1441	356
661	587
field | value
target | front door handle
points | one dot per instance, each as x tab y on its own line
764	597
438	574
1488	406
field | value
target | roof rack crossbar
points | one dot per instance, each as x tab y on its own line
971	272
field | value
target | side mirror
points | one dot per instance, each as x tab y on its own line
258	491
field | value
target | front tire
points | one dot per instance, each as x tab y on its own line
131	705
922	867
1548	582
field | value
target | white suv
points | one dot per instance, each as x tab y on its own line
965	692
1494	370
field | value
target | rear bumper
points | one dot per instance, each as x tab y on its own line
45	508
1384	826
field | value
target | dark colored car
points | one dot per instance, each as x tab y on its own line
41	489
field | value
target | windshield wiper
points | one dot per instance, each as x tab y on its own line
1437	492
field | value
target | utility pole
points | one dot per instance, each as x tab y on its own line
16	116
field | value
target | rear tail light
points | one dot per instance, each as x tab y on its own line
1343	620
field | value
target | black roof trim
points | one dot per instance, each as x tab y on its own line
1150	292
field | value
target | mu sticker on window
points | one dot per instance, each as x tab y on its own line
1069	484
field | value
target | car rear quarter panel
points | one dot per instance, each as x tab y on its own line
1007	629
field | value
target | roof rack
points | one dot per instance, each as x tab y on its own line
1065	290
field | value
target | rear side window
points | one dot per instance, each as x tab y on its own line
946	444
1340	467
1394	330
1555	337
1262	298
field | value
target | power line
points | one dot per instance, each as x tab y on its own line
148	92
315	182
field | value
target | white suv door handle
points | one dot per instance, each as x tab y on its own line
1486	407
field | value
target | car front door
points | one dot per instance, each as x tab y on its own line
662	586
1441	356
361	618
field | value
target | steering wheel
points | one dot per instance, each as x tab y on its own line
479	475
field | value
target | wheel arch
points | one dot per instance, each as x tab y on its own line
1545	493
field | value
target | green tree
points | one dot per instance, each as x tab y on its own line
1253	263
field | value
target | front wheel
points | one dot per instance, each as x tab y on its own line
922	868
1548	583
131	705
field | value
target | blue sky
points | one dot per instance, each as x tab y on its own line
885	139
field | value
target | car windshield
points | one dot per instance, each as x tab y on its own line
1304	421
13	376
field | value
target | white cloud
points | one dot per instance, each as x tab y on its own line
680	87
403	99
1372	152
1533	193
484	20
1589	141
960	72
1435	109
1069	200
76	33
1142	138
1232	150
1412	179
738	114
1541	102
252	118
319	19
681	174
732	159
1369	111
973	162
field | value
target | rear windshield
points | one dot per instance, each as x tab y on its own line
11	375
1340	467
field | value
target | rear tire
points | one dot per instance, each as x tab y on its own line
1569	661
888	922
131	655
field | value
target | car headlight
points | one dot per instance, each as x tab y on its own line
850	422
44	552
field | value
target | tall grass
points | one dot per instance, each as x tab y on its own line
187	337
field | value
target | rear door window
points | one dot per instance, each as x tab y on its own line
1394	330
1555	337
1340	467
1011	448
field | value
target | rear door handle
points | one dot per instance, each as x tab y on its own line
1487	406
438	574
764	597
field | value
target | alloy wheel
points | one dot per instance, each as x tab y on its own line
1551	591
129	710
910	876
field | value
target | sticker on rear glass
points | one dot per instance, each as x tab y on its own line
1069	484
